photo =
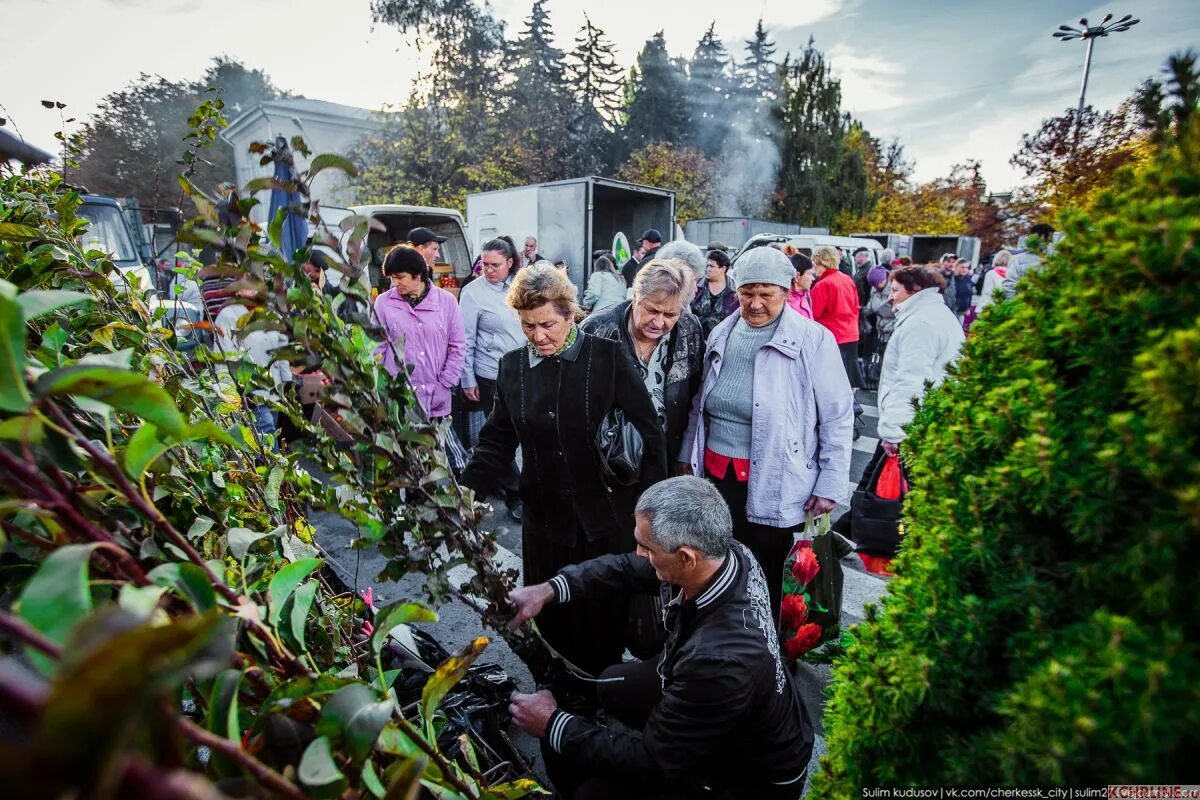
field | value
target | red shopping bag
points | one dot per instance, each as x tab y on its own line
891	484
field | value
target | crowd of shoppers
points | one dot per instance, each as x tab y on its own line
743	380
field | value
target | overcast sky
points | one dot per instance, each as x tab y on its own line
951	80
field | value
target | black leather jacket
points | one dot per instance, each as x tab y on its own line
731	717
684	364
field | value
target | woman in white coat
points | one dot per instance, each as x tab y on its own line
925	341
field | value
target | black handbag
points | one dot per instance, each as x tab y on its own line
620	447
875	522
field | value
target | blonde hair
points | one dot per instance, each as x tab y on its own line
1001	259
543	283
827	256
672	277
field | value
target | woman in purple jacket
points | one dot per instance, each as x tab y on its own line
422	321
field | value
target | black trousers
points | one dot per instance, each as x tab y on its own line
629	693
849	351
510	481
589	633
769	545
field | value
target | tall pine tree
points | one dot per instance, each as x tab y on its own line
595	77
710	88
819	175
448	140
750	156
542	106
658	110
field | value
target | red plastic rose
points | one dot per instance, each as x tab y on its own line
806	638
793	611
806	566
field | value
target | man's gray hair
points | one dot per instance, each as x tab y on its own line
886	256
670	277
687	511
686	252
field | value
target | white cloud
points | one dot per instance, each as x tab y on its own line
869	81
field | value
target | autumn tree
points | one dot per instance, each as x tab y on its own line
1069	159
684	170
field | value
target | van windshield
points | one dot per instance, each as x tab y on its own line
107	231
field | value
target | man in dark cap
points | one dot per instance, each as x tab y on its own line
427	243
651	240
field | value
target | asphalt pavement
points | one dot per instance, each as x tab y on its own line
458	624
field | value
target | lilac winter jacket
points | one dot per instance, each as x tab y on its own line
434	344
802	425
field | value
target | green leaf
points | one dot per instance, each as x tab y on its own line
189	581
223	705
53	339
275	228
42	301
201	526
25	428
356	716
302	602
450	672
331	160
400	613
14	395
241	540
207	430
143	448
285	582
317	767
370	779
140	600
16	232
274	482
57	597
121	389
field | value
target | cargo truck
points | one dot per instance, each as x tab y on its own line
571	218
930	249
900	244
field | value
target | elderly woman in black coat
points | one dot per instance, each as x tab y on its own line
551	396
661	340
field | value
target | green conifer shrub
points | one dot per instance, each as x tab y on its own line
1043	626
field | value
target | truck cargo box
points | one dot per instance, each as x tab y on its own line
571	218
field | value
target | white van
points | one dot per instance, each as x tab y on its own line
391	223
806	243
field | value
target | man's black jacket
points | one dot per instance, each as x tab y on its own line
684	364
730	718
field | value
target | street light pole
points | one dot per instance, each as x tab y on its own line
1090	33
1087	68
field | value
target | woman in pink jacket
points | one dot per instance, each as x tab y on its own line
423	322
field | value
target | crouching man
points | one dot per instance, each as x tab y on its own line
717	715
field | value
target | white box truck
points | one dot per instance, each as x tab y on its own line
572	218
